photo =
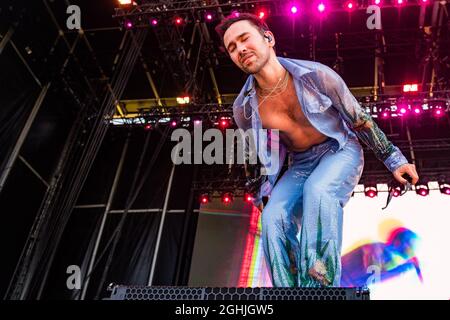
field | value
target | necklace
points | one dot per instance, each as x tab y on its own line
281	86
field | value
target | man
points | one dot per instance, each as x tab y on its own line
319	122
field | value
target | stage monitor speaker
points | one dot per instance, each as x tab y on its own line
122	292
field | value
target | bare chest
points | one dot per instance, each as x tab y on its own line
285	113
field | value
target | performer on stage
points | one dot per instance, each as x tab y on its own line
319	123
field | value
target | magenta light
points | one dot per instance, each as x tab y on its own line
236	14
129	24
209	17
294	9
262	14
154	22
321	7
385	115
350	5
173	123
447	191
377	1
197	122
416	111
399	1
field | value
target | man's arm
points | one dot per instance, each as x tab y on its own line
363	125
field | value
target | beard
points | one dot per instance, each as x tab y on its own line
255	65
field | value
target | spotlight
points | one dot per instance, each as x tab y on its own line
444	188
403	110
397	191
399	2
173	123
128	24
349	5
422	190
294	9
148	127
154	22
197	122
208	16
262	14
178	21
410	87
227	197
438	112
371	192
417	110
385	113
248	198
321	7
377	2
125	2
235	13
204	198
224	123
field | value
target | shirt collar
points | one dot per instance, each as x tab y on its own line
295	67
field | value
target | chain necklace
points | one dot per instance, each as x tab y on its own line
281	85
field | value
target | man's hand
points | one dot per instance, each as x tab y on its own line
410	170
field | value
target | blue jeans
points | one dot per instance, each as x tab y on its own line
310	196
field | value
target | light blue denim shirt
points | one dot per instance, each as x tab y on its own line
329	106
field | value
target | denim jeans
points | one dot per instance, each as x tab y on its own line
309	198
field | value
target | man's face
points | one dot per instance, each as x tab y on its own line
246	46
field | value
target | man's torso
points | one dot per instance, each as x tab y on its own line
283	112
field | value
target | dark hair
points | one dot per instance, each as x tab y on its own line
228	21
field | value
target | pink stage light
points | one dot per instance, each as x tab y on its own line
209	17
262	14
321	7
128	24
350	5
178	21
154	22
294	9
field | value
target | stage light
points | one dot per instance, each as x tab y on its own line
417	110
397	191
248	198
154	22
321	7
183	100
235	13
399	2
173	123
224	123
262	14
410	87
178	21
125	2
438	112
444	188
385	113
422	190
402	110
204	198
148	127
371	192
197	122
208	17
349	5
227	198
377	2
128	24
294	9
